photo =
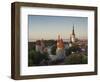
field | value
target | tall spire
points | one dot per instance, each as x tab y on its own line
73	33
58	37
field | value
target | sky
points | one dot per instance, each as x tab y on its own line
49	27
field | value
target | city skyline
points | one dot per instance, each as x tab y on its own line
49	27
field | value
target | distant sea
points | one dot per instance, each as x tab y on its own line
65	40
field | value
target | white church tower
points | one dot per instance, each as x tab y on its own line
72	37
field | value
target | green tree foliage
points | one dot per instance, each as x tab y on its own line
31	45
34	58
53	50
74	48
76	59
84	59
37	58
31	57
49	42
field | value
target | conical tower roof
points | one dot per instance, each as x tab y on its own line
60	43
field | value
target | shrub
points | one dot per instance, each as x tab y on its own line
84	59
73	59
76	59
31	57
53	50
34	58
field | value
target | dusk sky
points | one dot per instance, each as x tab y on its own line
49	27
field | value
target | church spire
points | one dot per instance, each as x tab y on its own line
72	37
58	37
73	33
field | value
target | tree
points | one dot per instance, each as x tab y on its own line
53	50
